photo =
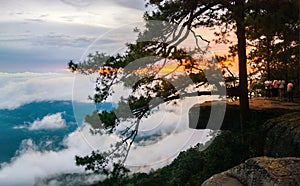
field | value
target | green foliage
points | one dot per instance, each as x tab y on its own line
198	77
117	176
94	120
109	120
273	34
95	162
197	164
194	166
72	66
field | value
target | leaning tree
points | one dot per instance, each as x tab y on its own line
145	69
169	25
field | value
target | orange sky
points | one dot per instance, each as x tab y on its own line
219	49
216	49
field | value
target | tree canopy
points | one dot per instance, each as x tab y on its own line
160	43
273	35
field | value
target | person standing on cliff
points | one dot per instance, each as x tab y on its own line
250	88
275	88
281	86
290	87
268	84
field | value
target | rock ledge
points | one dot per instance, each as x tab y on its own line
260	171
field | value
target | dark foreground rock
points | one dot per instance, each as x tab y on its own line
264	171
283	136
281	162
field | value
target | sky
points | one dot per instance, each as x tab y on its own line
40	35
37	40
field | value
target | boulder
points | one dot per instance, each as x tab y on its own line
264	171
222	179
281	162
283	136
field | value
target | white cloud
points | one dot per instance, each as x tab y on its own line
54	121
97	13
21	88
171	123
51	32
163	152
31	165
33	35
78	3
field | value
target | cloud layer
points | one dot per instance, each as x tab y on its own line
32	165
20	88
52	32
54	121
171	123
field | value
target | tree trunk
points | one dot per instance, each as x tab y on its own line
268	40
244	102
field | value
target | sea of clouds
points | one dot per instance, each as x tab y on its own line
17	89
20	88
29	165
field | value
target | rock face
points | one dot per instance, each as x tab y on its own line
214	115
264	171
222	179
280	164
283	136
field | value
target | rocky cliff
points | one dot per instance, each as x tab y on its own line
281	167
283	136
264	171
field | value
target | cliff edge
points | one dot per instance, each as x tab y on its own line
280	164
258	171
